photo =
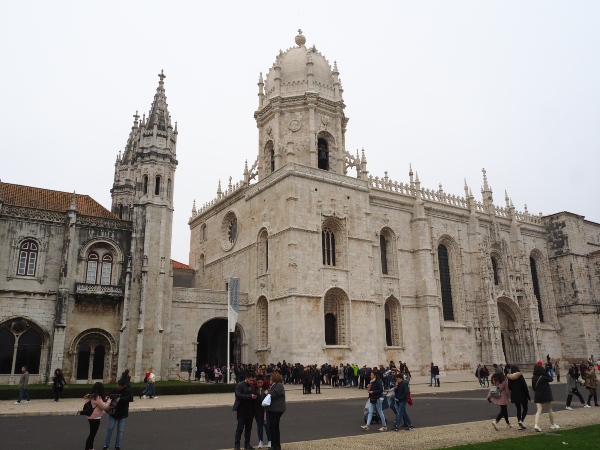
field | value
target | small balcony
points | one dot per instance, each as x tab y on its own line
99	291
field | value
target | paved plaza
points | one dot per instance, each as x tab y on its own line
423	437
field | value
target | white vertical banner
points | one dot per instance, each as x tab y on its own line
233	301
233	305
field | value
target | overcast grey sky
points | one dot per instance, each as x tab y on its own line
449	86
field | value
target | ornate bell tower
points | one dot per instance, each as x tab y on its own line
300	115
144	178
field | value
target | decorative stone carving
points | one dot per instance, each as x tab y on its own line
294	125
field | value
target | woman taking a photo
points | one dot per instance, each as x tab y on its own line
501	384
276	409
100	403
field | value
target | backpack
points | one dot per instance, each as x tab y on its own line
87	409
495	392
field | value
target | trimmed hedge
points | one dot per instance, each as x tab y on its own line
43	391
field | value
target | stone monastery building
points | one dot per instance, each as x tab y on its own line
335	264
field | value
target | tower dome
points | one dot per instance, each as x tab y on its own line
300	69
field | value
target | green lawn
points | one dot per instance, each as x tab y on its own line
169	387
577	439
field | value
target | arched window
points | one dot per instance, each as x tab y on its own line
203	232
120	211
106	269
98	364
495	270
29	348
83	362
393	329
262	316
383	249
145	184
263	252
330	329
157	185
388	332
201	265
272	160
169	189
269	158
7	348
323	154
445	282
335	314
29	351
536	286
328	247
28	256
92	268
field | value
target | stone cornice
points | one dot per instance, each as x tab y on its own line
293	169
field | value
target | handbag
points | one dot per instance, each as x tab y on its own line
495	392
409	399
87	409
267	400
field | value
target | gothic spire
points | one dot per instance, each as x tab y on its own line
159	113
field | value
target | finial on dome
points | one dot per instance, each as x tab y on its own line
300	39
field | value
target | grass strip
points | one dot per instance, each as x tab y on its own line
575	438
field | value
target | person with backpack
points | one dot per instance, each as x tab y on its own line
120	397
519	394
499	395
540	382
99	402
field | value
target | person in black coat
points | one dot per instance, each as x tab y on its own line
540	382
317	380
58	383
519	394
120	397
245	395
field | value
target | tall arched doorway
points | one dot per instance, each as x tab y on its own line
510	333
212	344
93	353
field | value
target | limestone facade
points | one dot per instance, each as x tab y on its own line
335	264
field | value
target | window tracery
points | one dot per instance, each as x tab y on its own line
28	256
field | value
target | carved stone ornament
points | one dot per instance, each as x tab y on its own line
294	125
269	130
229	231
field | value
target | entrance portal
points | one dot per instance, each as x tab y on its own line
212	344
